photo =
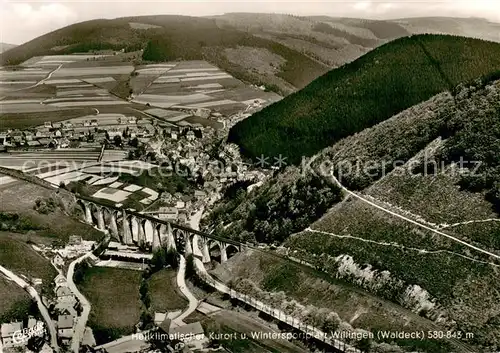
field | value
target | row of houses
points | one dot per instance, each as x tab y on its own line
67	309
61	134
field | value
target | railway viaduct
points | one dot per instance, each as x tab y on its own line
134	228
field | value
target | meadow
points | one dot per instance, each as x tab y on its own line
17	255
16	304
164	293
116	308
54	227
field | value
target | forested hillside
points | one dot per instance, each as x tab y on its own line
202	43
363	93
467	121
409	164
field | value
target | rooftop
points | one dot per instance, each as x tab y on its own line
190	329
65	321
133	255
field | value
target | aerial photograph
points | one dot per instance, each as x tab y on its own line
250	176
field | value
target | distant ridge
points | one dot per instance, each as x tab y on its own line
6	46
304	47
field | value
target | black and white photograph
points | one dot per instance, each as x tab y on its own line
250	176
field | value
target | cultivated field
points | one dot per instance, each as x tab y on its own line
64	87
195	84
46	90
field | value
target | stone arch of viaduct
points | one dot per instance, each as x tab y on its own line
133	228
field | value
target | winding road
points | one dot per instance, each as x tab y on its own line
181	282
43	310
79	329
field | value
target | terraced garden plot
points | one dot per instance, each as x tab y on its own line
169	64
8	83
55	159
102	118
30	92
89	103
21	75
16	108
4	180
63	81
76	99
76	85
174	99
206	122
92	91
206	86
191	78
164	113
198	84
119	166
241	94
59	59
103	181
99	79
225	82
94	71
198	70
